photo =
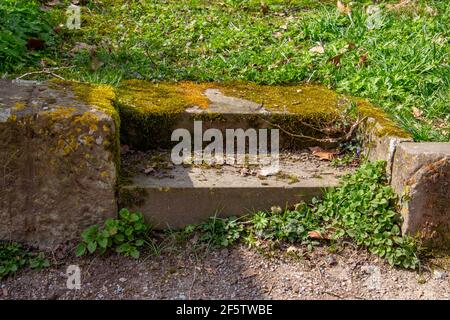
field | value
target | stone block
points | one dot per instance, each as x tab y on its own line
421	176
58	160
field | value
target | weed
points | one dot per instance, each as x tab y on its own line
125	235
14	257
363	209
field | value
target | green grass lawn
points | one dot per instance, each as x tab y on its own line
397	58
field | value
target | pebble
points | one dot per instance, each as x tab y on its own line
331	260
439	275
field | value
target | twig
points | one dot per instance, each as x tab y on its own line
46	71
347	136
192	285
38	72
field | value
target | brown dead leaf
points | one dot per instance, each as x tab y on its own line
264	8
323	154
336	60
315	235
35	44
363	59
343	8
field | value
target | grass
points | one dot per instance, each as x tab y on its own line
399	60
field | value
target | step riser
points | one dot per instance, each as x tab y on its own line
178	207
146	134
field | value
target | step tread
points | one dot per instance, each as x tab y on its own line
296	170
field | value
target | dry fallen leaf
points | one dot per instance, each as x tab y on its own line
315	235
317	49
417	112
363	59
264	8
323	154
343	8
336	60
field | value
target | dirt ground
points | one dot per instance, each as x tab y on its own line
234	273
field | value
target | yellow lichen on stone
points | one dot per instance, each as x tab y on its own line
101	98
59	113
67	145
19	106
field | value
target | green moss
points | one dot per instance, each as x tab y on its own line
306	100
386	127
150	111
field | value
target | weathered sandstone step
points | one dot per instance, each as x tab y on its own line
176	195
58	157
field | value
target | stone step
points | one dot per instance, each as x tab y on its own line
177	195
150	112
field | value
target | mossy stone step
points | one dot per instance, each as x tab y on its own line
177	195
151	111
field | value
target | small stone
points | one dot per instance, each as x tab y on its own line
149	170
331	260
439	275
123	279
